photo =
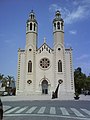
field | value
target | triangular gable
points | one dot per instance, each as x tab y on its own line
43	47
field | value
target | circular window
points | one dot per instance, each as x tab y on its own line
44	63
30	49
59	49
29	81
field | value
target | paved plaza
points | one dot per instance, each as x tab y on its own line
42	97
43	107
47	110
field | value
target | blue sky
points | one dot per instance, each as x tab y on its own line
13	17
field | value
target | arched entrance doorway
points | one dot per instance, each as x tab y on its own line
44	87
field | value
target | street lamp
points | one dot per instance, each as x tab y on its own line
60	81
1	110
55	94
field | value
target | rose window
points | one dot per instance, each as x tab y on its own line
44	63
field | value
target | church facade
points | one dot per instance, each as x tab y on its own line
40	69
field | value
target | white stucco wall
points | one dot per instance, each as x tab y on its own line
51	73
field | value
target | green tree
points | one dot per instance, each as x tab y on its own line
9	83
79	79
9	88
1	77
87	86
10	80
3	80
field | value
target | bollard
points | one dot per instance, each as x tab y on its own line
1	110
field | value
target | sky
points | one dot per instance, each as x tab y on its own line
13	17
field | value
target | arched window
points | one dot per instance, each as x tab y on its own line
27	26
30	26
59	66
34	26
61	26
31	16
42	48
44	87
54	26
30	66
58	25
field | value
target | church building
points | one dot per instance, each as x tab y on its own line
40	69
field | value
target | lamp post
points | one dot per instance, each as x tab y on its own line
1	110
60	81
55	94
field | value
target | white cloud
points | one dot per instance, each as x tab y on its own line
68	45
76	11
86	2
53	7
73	32
75	15
83	57
75	3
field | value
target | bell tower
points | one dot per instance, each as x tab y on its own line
59	50
31	30
58	29
30	52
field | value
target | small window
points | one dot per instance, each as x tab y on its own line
27	26
42	48
59	49
40	51
58	25
31	16
30	26
59	66
54	26
49	50
61	26
30	49
29	81
30	66
34	26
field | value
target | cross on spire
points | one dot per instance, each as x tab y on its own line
44	40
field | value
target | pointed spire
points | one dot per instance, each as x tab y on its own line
58	16
32	17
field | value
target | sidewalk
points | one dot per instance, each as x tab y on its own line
26	98
40	97
83	97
